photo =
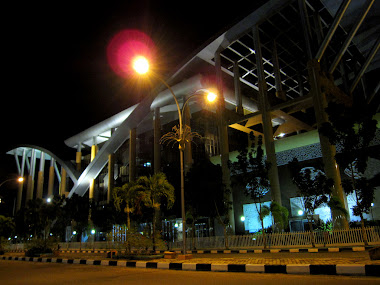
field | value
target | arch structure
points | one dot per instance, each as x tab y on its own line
28	158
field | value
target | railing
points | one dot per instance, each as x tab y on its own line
349	237
287	240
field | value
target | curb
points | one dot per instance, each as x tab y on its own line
339	269
242	251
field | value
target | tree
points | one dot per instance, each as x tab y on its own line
351	129
78	209
314	189
251	172
129	196
206	195
280	214
103	216
154	189
7	226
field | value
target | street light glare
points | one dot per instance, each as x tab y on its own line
20	179
140	65
211	96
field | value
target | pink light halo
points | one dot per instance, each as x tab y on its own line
126	45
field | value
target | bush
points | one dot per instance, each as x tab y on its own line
135	240
39	246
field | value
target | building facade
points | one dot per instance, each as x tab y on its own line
275	72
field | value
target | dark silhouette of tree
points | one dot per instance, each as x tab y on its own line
78	208
251	172
314	189
103	216
7	227
351	129
153	189
205	194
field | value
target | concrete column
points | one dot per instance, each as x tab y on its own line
132	155
30	187
51	178
157	137
21	184
110	176
328	150
63	184
223	138
94	150
78	158
238	98
264	107
40	179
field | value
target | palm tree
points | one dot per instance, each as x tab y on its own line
130	194
263	211
280	216
154	189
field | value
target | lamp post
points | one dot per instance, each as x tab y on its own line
181	135
19	180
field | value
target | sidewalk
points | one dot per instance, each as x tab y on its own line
338	263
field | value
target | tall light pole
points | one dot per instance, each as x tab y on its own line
19	180
181	135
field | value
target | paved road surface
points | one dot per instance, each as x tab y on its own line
21	272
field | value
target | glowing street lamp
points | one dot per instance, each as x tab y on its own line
182	134
211	96
20	179
140	64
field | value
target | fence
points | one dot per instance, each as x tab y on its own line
349	237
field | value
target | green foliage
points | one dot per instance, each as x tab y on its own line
351	129
77	209
314	187
336	205
264	212
103	216
37	246
154	188
39	218
280	215
251	171
128	198
325	227
154	191
204	190
7	227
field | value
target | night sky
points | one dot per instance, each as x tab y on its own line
56	80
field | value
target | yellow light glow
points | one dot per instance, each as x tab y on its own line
140	65
20	179
211	96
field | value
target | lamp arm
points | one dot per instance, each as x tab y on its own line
176	102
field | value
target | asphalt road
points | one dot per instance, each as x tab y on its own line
21	272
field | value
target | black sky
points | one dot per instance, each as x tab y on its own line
56	80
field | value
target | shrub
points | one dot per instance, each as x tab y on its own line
38	246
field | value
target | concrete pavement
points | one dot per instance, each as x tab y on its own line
325	263
15	272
